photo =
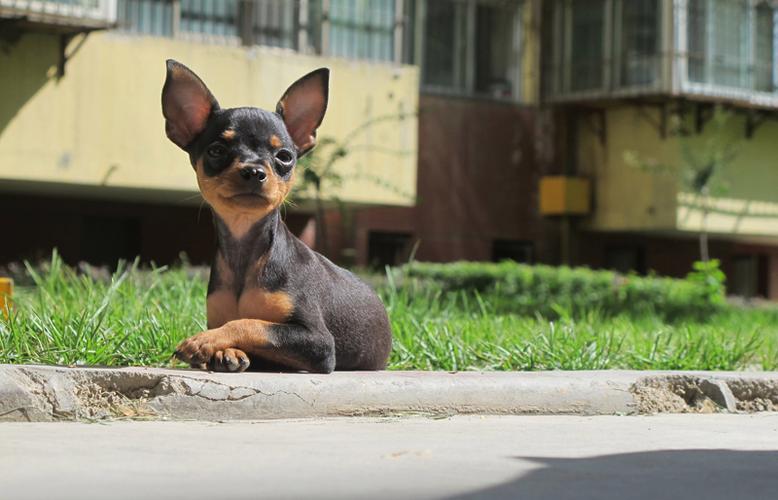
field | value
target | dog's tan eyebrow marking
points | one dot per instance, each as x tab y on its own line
275	141
228	134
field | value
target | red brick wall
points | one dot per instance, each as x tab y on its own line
478	170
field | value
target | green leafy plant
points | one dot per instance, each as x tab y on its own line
709	276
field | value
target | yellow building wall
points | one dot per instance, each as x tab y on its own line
101	124
628	197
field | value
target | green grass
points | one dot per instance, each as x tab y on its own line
136	317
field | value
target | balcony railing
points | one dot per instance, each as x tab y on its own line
717	49
355	29
73	13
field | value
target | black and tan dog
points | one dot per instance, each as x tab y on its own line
272	303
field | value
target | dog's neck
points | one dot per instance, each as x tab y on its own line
242	250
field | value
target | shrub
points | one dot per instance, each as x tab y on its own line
554	291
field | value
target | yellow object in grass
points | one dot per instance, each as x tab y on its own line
6	295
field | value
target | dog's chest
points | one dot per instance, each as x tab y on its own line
224	306
229	302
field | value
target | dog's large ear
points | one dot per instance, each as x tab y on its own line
303	106
186	104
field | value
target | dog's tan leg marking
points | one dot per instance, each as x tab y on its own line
256	303
237	338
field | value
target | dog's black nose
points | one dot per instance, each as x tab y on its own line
253	172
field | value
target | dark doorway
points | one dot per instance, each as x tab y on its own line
626	259
387	249
515	250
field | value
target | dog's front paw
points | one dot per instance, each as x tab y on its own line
212	350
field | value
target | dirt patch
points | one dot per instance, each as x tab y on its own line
755	395
672	395
692	394
96	403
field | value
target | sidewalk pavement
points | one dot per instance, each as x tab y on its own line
706	457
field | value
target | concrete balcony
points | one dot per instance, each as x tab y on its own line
629	198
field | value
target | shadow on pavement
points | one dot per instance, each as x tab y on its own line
666	474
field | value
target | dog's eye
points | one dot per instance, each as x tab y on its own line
284	160
284	156
216	151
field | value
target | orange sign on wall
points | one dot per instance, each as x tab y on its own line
561	195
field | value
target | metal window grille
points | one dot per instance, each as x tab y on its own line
358	29
470	47
210	17
638	41
731	44
714	48
697	36
272	23
361	29
65	10
442	46
148	17
765	43
585	44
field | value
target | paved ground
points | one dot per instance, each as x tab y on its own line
709	457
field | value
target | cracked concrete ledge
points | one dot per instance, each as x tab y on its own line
47	393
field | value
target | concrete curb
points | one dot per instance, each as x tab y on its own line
46	393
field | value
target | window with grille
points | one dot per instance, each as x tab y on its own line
210	17
731	43
443	44
765	42
362	29
585	44
148	17
272	23
355	29
715	48
639	47
471	47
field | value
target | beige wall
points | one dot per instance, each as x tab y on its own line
630	198
101	124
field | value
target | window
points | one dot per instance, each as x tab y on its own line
272	23
714	48
625	259
472	47
148	17
749	276
362	29
697	38
731	44
729	47
586	44
639	42
600	46
765	42
517	251
442	47
210	17
356	29
387	249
